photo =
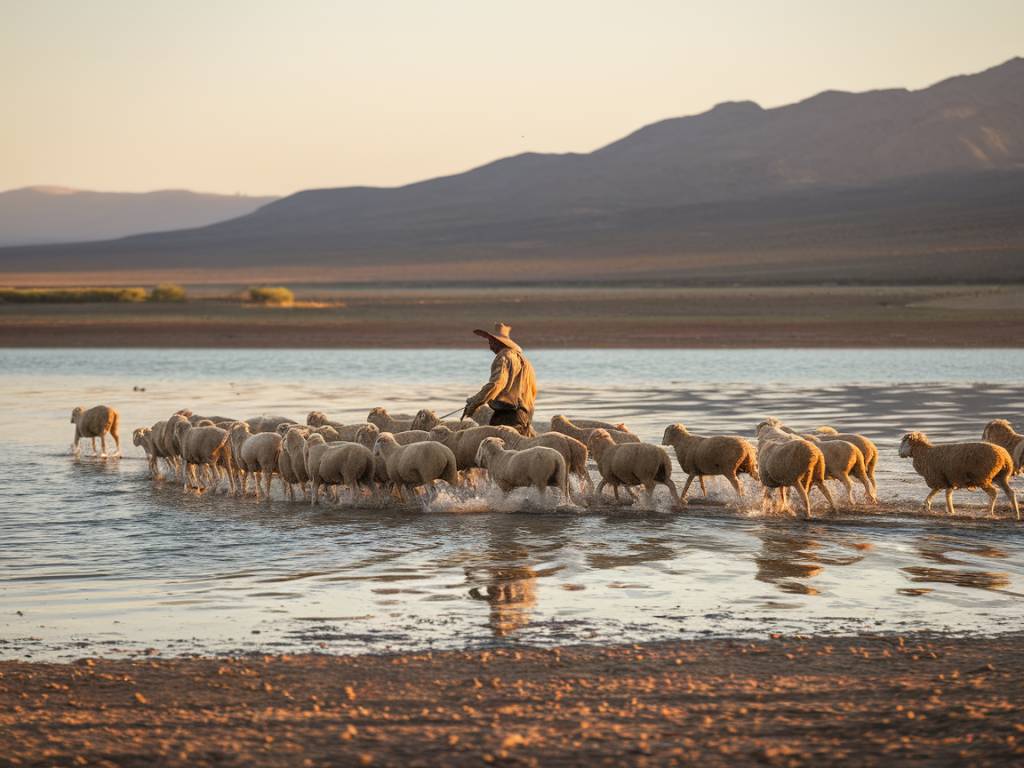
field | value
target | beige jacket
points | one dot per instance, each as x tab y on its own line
512	381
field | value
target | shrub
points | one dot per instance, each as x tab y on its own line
71	295
276	295
167	292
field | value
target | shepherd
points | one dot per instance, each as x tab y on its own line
512	388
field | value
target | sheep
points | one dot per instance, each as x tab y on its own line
726	455
1002	433
203	447
465	443
349	464
538	467
410	466
630	464
95	422
864	444
143	438
255	454
842	459
583	434
319	419
170	445
157	445
599	424
573	451
483	415
426	420
950	466
785	460
261	424
293	444
399	422
194	419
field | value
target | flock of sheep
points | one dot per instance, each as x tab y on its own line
402	455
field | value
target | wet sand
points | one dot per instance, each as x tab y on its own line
882	700
554	317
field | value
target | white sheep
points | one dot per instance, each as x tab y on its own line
700	457
319	419
465	443
785	460
630	464
260	424
573	451
843	459
864	444
1002	433
417	464
256	455
425	420
95	422
600	424
583	434
348	464
203	447
537	467
386	422
171	449
950	466
142	437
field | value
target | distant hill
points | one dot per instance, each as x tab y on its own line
877	186
58	214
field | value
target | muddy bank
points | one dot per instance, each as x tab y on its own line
881	700
556	317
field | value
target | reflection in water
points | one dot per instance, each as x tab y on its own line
787	557
964	578
511	594
938	548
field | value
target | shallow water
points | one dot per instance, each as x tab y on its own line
98	560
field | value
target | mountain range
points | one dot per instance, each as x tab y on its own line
48	214
881	186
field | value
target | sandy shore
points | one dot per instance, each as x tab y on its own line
784	701
594	317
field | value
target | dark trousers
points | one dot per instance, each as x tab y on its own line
520	419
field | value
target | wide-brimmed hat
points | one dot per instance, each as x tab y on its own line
502	335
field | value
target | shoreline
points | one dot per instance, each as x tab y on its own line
795	700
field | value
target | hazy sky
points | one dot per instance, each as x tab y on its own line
272	97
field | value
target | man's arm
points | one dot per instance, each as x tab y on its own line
497	382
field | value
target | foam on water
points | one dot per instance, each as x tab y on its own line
98	559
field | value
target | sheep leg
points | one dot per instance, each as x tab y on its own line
103	443
93	440
686	487
784	498
992	496
1004	483
600	488
826	493
117	444
868	490
315	496
269	473
257	476
845	480
673	494
806	499
949	502
734	481
703	487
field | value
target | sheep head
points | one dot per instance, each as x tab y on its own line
384	444
913	440
560	420
316	418
826	430
425	419
329	433
294	437
441	434
599	441
139	435
367	435
998	429
487	448
76	413
673	432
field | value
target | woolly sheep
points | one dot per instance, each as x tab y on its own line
566	427
629	464
573	451
143	438
537	467
699	457
170	442
950	466
261	424
843	459
319	419
202	447
157	443
348	464
483	415
785	460
864	444
95	422
465	443
426	420
256	455
399	422
410	466
1002	433
599	424
294	444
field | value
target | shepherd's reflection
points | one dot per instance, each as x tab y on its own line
511	594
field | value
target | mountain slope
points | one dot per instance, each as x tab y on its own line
58	214
841	186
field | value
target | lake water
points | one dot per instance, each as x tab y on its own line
96	559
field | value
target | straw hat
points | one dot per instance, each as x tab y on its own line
501	335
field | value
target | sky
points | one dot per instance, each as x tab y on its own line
240	96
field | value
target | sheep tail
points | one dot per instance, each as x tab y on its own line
115	424
562	478
665	470
749	465
451	473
